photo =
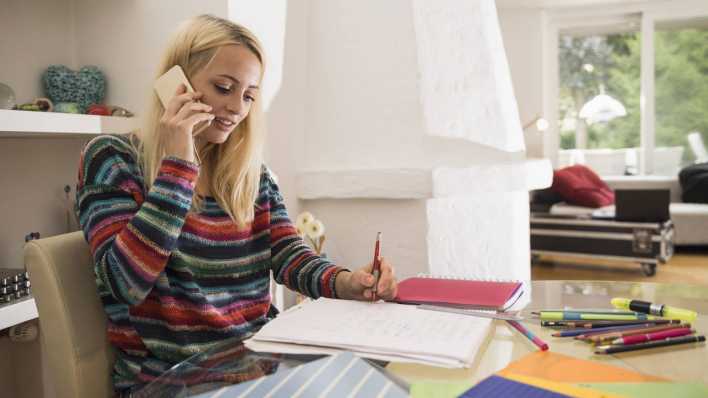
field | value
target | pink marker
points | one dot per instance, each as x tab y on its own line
642	338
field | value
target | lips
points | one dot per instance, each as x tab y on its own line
223	123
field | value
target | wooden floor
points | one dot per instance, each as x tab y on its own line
686	266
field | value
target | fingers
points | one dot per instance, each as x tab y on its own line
387	287
198	118
363	278
181	97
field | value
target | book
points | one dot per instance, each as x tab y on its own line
459	293
380	330
340	375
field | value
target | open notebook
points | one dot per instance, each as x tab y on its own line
387	331
459	293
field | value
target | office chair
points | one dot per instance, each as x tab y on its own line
71	317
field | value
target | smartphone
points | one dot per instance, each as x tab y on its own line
166	87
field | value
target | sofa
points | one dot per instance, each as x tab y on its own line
690	219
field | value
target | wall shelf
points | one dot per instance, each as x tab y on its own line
19	124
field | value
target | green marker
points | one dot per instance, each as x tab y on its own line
589	316
654	309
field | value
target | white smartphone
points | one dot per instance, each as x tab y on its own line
166	87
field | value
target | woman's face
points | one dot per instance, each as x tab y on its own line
229	84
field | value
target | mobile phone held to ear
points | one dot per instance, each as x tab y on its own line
166	87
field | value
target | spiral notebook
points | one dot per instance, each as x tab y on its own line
459	293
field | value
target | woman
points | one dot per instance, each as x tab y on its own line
185	230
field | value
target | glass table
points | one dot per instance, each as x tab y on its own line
226	365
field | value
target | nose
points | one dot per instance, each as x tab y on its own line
236	106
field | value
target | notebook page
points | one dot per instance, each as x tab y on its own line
386	328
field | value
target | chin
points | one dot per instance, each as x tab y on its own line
215	136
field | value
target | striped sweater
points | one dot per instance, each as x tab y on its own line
174	282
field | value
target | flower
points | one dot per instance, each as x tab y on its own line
315	230
303	220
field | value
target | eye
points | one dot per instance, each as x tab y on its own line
250	98
223	89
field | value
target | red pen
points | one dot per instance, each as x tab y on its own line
642	338
376	268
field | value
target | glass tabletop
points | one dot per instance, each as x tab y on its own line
229	364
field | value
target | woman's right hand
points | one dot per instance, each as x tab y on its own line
177	123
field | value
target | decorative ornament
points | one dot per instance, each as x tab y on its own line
122	112
67	107
44	104
98	109
85	87
7	97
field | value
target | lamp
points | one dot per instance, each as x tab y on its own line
602	108
541	124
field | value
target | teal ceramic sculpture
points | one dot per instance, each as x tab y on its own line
85	87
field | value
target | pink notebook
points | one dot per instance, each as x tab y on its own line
460	293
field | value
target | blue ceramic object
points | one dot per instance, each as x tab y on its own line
85	87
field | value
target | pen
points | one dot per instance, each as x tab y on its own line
577	333
654	309
534	339
643	338
651	344
376	266
637	329
599	339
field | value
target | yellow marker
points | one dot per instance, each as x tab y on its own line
654	309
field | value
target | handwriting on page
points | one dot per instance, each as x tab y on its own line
384	321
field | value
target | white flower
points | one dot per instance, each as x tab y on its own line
315	229
303	220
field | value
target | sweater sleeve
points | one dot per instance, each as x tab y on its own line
131	235
294	263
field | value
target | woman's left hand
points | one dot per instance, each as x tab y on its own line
358	285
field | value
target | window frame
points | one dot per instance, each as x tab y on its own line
608	19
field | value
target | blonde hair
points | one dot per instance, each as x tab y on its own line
234	167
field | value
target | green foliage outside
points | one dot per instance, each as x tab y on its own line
681	86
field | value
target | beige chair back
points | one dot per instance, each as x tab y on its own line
71	317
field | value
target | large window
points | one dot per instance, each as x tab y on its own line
599	103
601	120
681	86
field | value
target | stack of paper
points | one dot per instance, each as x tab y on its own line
386	331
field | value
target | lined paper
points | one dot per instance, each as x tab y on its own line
380	329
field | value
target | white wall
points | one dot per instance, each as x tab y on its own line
522	31
137	33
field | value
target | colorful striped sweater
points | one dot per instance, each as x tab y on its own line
175	282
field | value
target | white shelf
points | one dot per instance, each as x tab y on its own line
17	312
47	124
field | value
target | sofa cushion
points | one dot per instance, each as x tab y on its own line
694	183
579	185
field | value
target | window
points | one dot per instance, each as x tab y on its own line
611	114
681	73
599	101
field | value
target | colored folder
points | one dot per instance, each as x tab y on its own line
461	293
340	375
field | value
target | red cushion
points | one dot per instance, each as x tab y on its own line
578	185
